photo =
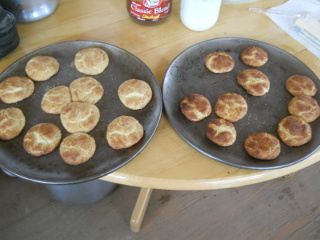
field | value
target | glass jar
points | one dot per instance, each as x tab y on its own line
199	15
149	11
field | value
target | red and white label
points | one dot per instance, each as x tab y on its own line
150	10
151	3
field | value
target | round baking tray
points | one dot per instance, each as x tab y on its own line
187	74
50	168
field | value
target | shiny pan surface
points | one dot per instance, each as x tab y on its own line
50	168
187	74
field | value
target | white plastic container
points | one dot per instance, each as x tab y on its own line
199	15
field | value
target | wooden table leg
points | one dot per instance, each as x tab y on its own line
140	209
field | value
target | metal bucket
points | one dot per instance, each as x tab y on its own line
78	193
81	193
30	10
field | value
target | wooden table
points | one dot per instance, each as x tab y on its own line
167	162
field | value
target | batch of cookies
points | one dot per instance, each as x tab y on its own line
293	130
76	105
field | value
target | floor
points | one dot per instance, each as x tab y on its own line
286	208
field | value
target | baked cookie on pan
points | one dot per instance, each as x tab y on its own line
263	146
135	94
55	99
294	131
219	62
231	106
79	117
124	132
86	89
301	85
42	139
12	122
195	107
254	82
16	89
304	106
42	68
221	132
254	56
77	148
91	61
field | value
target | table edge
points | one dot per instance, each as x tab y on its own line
252	177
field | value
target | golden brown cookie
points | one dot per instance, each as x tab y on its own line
56	99
15	89
86	89
124	132
305	107
42	68
221	132
301	85
195	107
80	117
135	94
12	122
42	139
294	131
231	106
254	82
77	148
91	61
263	146
219	62
254	56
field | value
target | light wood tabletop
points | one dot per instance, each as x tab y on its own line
167	162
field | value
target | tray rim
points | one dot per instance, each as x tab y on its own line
97	176
170	118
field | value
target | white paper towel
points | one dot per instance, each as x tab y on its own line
286	22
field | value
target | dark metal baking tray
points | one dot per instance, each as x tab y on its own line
188	74
50	168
